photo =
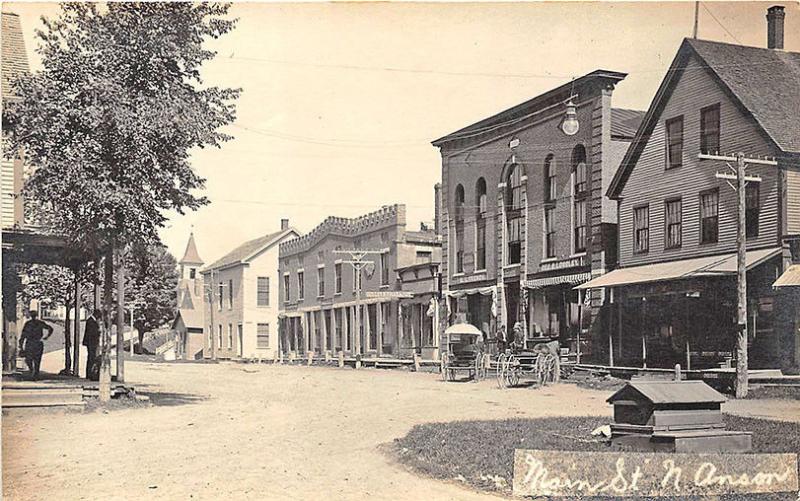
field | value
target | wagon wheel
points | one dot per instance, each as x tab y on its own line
549	369
443	366
512	372
501	370
476	368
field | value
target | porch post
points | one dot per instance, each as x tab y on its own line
379	327
367	329
334	338
323	331
306	331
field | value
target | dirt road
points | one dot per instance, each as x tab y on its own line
235	431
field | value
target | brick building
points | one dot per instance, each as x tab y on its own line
241	307
318	294
674	295
524	215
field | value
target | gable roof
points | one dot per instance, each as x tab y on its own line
14	58
500	123
669	392
764	83
192	318
190	256
250	249
625	123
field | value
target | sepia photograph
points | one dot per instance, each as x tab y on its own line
400	250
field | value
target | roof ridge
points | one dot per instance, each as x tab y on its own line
243	251
730	44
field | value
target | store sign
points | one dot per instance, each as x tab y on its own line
623	474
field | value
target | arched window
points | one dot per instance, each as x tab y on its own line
480	225
580	193
550	189
514	213
459	223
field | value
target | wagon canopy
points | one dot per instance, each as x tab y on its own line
463	329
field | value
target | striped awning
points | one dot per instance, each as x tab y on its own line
573	279
789	278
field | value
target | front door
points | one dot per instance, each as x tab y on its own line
241	341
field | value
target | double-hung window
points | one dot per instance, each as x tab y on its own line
550	232
514	214
480	226
709	129
709	217
674	128
581	198
459	228
262	292
301	285
320	282
751	209
641	229
337	269
673	222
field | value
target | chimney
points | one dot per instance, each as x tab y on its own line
437	214
284	224
775	17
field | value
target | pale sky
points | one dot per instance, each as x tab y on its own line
340	101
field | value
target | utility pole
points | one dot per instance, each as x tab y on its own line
211	312
357	262
739	174
696	17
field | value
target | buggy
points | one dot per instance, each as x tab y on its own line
463	352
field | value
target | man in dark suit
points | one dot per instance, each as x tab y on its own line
31	342
91	340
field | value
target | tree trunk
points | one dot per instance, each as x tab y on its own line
120	317
105	341
67	341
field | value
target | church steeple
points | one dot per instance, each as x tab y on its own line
191	256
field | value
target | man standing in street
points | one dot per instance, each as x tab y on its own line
31	343
91	340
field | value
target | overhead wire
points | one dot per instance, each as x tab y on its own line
720	23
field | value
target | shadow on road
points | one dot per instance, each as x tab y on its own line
167	399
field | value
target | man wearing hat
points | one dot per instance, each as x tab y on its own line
31	342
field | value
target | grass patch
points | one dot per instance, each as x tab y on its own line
480	453
780	392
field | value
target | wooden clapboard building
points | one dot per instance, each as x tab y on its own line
524	215
674	295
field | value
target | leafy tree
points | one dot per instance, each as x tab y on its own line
52	286
151	286
110	121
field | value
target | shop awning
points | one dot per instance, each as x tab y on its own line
574	279
708	266
484	291
790	277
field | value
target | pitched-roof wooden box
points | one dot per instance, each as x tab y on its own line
678	416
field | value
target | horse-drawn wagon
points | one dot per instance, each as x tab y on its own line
540	364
